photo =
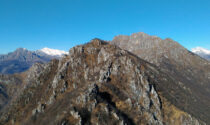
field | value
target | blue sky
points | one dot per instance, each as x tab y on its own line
62	24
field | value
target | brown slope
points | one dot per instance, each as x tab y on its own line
12	85
98	83
191	72
7	88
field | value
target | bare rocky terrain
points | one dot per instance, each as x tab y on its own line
190	71
100	83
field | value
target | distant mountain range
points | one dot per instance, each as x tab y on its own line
202	52
22	59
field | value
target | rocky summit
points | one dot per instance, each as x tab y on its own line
190	71
98	83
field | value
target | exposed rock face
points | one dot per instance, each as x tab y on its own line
98	83
191	72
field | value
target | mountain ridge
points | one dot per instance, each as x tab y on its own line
113	86
22	59
189	70
137	79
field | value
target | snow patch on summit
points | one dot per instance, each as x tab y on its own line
53	52
200	50
205	53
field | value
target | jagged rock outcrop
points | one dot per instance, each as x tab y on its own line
191	72
98	83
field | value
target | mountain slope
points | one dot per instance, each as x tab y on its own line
8	88
12	85
22	59
190	72
202	52
99	83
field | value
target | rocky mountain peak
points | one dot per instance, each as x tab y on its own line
19	52
98	83
143	35
21	49
156	50
150	47
97	41
190	70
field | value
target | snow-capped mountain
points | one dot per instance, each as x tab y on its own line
22	59
205	53
51	52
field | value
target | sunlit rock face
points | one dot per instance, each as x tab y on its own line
98	83
191	72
